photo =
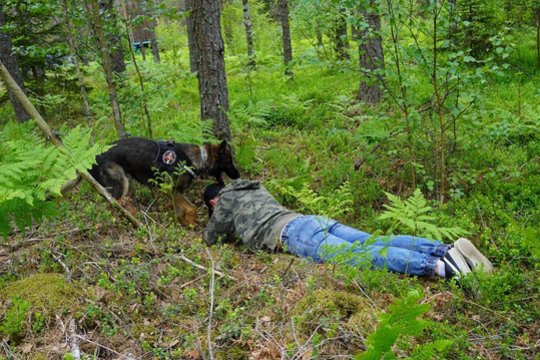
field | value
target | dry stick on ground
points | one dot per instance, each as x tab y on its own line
192	263
64	266
211	311
31	110
73	340
83	338
7	350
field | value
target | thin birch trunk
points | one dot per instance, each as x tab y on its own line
87	112
249	34
107	67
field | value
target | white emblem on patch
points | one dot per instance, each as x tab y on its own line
169	157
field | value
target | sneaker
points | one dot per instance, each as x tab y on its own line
473	256
455	264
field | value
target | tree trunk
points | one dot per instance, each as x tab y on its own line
249	34
107	67
371	56
283	14
211	66
537	20
141	82
340	36
71	33
193	55
12	66
150	24
116	51
153	40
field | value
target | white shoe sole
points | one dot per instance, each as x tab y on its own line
473	256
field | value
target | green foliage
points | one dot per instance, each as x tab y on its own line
413	216
32	171
480	20
402	319
14	318
307	201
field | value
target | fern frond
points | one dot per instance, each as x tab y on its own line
414	216
31	170
403	318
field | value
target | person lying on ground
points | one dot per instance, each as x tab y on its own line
244	208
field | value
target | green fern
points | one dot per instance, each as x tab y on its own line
414	216
403	318
32	171
307	201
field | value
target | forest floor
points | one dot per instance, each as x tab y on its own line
148	293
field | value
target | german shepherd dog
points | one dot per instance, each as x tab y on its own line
141	159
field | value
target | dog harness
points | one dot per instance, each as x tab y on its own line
167	158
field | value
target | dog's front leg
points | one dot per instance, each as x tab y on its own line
184	209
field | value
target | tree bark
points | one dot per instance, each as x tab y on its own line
211	66
116	51
150	24
537	20
249	34
107	67
153	40
13	67
141	81
80	77
12	85
193	54
371	55
283	14
341	44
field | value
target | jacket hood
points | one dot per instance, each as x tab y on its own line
241	184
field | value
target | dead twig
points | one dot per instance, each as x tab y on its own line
97	344
192	281
288	267
211	310
64	266
7	248
194	264
7	350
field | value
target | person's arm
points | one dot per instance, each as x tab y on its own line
220	224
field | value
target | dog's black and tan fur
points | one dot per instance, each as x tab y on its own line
139	158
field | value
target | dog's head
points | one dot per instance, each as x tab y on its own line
221	160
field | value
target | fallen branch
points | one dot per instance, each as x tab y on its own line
7	248
31	110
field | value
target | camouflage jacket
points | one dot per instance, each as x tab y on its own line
246	209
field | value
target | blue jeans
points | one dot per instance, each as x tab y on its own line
318	238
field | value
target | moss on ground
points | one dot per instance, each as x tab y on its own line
332	306
46	293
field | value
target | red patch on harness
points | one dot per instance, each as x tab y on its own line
169	157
